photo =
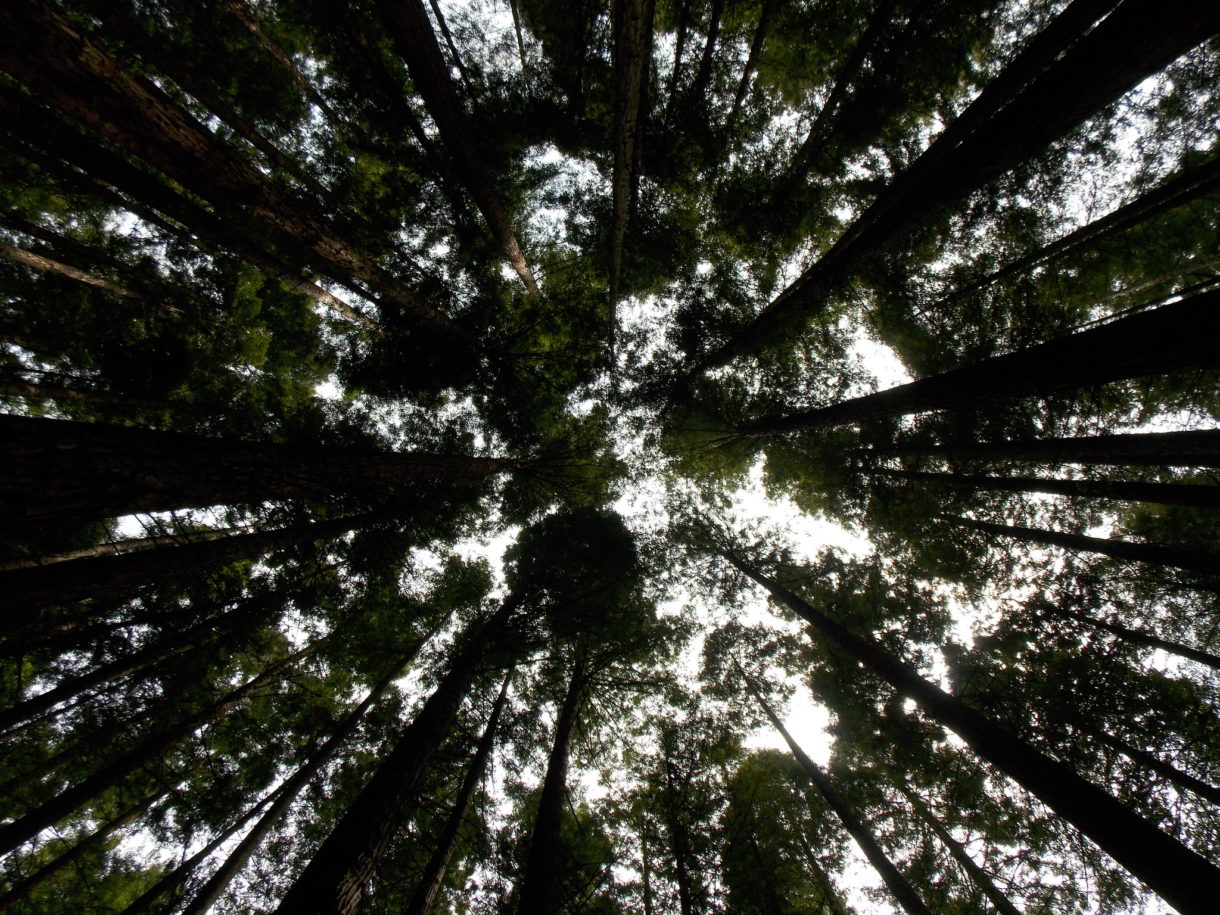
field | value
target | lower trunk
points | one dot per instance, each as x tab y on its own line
1140	638
1191	494
223	876
1180	876
24	592
58	472
895	882
540	889
1194	448
959	854
52	811
1198	561
434	873
335	878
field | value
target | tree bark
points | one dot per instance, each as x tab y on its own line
52	811
1193	448
434	873
415	43
25	592
540	890
1198	561
334	880
453	49
43	264
1181	877
219	882
902	891
118	547
1198	495
959	854
679	51
1058	82
1167	339
632	60
59	471
703	76
743	85
1139	637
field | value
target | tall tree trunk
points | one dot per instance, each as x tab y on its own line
1059	81
1139	637
1167	339
119	547
540	889
632	61
902	891
525	70
58	471
671	93
1193	494
334	880
1193	448
703	75
1182	781
171	643
1199	561
1181	877
173	881
434	873
11	386
82	847
679	840
25	592
453	49
142	754
415	43
219	882
43	264
959	854
743	85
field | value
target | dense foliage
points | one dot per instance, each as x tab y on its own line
441	439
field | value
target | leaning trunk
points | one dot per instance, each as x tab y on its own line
1138	637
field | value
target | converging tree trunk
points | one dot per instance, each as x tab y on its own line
438	864
1137	636
1168	339
1180	876
1193	494
1191	448
902	891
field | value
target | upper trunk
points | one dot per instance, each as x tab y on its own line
1192	448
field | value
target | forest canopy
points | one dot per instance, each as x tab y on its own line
609	457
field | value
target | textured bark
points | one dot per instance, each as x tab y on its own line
434	872
58	471
902	891
1199	561
219	882
334	880
1193	448
415	43
1139	637
959	854
1199	495
1181	877
82	847
25	592
1058	82
147	751
1184	335
42	264
540	890
632	59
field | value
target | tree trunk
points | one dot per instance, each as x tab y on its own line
1182	781
58	471
895	882
525	72
18	387
743	85
1139	638
334	880
1193	448
24	592
1183	878
415	42
119	547
632	60
540	890
216	885
1055	84
52	811
679	841
671	93
23	889
1167	339
171	643
959	854
1198	561
1193	494
43	264
453	49
703	76
434	873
